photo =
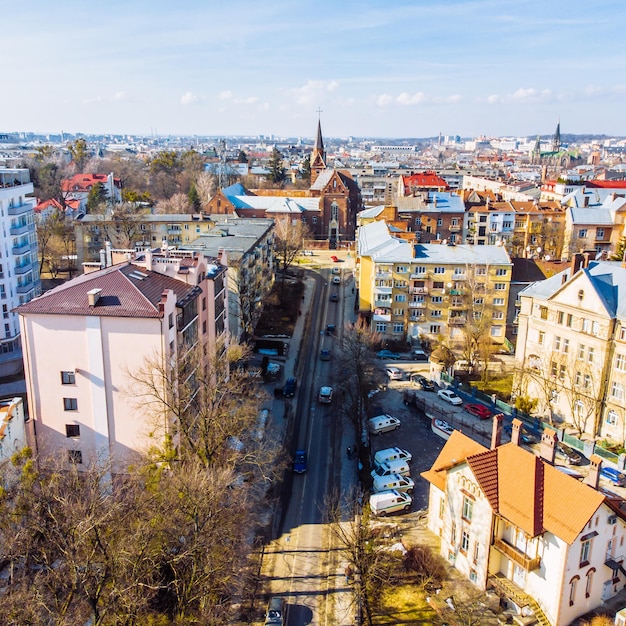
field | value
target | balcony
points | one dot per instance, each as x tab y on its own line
21	209
381	274
22	248
22	230
528	563
27	288
457	320
457	303
418	276
456	292
382	304
416	305
454	229
27	267
418	290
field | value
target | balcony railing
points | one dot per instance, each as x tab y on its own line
382	304
416	305
20	209
528	563
21	230
457	320
20	249
418	290
27	267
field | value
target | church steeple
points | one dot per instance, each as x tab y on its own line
318	156
556	140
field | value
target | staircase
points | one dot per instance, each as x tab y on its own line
509	589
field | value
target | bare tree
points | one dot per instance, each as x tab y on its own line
177	204
289	238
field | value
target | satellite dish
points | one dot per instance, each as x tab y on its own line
547	257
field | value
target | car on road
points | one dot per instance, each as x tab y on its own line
324	354
330	329
388	354
479	410
299	462
334	259
423	383
334	297
336	270
275	614
289	390
567	454
325	395
613	475
394	373
336	280
449	396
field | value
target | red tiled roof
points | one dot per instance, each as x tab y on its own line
127	290
84	182
424	180
42	206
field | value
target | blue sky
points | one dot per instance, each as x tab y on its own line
387	68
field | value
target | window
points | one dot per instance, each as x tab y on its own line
557	344
398	312
481	270
437	284
590	353
589	580
599	233
436	299
611	418
473	575
70	404
401	269
586	325
620	362
568	323
560	316
476	551
595	328
498	301
434	329
453	533
465	541
622	333
501	271
572	590
400	297
543	312
439	270
68	378
581	351
381	327
72	430
439	221
498	315
565	345
479	301
561	372
74	456
398	328
585	550
582	233
420	269
579	408
468	508
496	331
542	338
442	508
204	327
587	382
5	312
500	286
436	313
170	320
617	391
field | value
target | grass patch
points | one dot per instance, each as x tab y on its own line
500	385
405	604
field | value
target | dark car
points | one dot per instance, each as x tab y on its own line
299	462
526	436
388	354
330	329
334	297
419	355
567	454
289	390
479	410
325	354
275	614
423	383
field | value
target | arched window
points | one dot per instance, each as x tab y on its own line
572	589
590	574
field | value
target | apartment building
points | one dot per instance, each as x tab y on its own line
551	546
136	230
85	339
571	347
19	263
411	291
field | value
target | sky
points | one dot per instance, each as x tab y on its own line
374	68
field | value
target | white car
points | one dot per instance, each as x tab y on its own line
336	280
449	396
325	395
394	373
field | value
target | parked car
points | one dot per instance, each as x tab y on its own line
393	481
419	355
392	454
449	396
423	383
333	258
388	354
289	390
336	280
382	424
526	436
325	354
325	395
336	270
391	501
479	410
299	462
567	454
275	614
613	475
394	373
330	329
334	297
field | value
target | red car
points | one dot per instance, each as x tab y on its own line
479	410
334	259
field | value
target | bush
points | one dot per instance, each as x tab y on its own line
425	564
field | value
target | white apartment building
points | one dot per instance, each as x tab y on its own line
550	545
83	339
19	265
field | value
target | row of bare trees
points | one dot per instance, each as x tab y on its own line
170	541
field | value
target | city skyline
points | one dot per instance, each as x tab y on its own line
395	69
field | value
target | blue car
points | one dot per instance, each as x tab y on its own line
614	476
289	390
388	354
299	462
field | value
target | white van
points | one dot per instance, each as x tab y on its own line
391	501
392	467
395	481
382	424
391	454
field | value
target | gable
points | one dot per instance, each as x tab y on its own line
592	302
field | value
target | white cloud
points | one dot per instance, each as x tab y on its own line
408	99
225	95
248	100
313	90
120	95
188	98
384	99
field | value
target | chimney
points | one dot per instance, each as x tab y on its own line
94	295
593	477
103	259
516	431
109	253
586	257
496	431
547	451
577	263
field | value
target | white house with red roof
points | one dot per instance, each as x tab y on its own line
549	544
78	187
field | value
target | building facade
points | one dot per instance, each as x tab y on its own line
571	347
411	291
86	339
19	262
548	544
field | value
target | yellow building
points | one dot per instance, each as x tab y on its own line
432	291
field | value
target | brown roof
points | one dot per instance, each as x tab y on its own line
521	487
127	290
